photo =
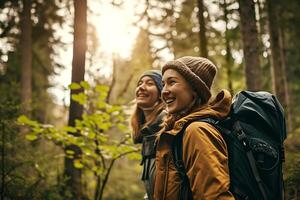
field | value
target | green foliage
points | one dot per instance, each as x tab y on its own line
74	86
23	175
125	170
93	132
292	172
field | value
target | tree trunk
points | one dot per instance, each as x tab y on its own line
3	167
73	174
202	31
278	69
228	57
26	58
250	44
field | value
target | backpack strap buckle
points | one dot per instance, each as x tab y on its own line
242	137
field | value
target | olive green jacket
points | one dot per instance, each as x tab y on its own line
204	156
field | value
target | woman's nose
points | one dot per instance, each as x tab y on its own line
165	92
141	87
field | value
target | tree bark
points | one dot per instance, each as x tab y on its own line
278	66
26	58
202	30
228	57
250	44
74	182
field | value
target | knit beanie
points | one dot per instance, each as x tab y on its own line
199	72
156	76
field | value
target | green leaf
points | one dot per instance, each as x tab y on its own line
70	152
26	121
114	110
102	138
81	98
100	104
105	126
85	85
74	86
102	88
69	156
88	152
31	137
37	130
77	164
91	135
134	156
69	129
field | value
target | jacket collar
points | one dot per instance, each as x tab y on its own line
218	108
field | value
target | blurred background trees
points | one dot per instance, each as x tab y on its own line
255	44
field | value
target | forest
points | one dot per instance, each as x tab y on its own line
68	75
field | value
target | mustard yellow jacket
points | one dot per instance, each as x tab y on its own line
204	156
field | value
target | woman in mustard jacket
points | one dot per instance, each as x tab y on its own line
186	93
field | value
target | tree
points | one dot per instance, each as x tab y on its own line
72	173
185	41
43	49
26	57
127	72
228	58
160	26
202	29
100	149
289	20
23	179
250	45
278	69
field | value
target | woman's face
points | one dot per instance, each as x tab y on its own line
146	93
177	94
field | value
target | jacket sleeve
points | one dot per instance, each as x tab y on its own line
206	162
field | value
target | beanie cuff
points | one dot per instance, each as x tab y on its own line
195	81
156	76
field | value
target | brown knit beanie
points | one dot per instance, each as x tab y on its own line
198	71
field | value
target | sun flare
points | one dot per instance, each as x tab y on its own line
115	30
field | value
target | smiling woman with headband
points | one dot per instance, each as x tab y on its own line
145	122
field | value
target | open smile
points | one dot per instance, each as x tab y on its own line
169	100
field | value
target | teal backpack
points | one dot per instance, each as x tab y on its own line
254	133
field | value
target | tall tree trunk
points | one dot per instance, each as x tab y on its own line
26	58
285	79
78	69
250	45
278	69
228	57
202	31
263	30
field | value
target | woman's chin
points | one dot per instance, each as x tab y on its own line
171	110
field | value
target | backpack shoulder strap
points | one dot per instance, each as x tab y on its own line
177	150
177	146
